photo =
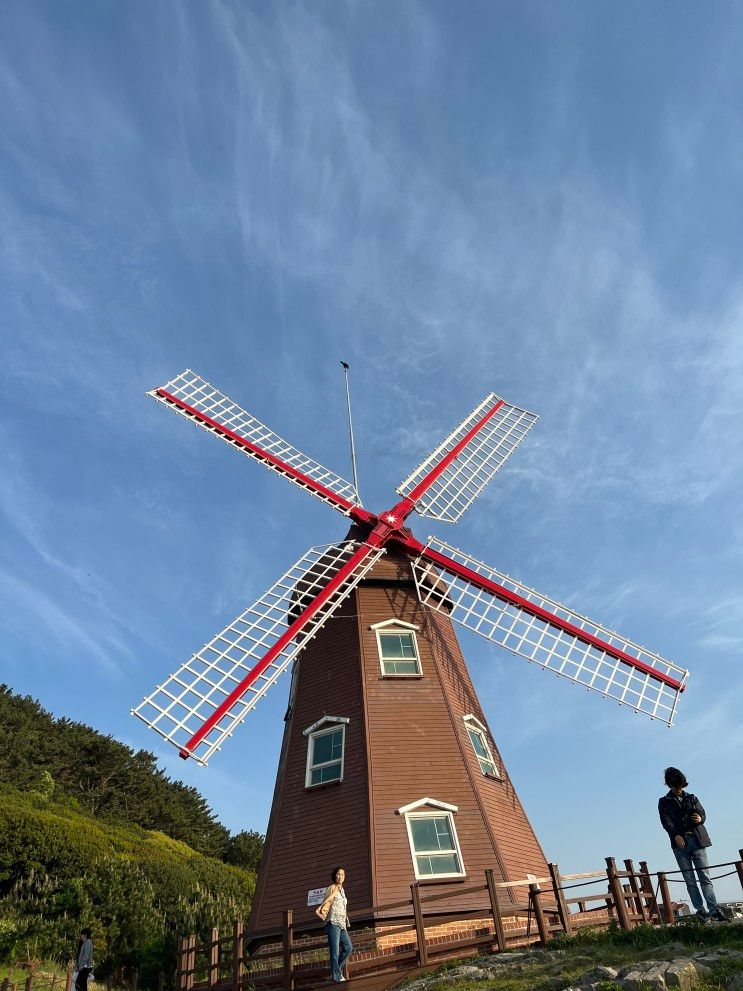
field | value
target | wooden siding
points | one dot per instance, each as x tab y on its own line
406	739
312	830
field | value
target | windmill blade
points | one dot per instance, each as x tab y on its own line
446	484
193	397
203	702
545	632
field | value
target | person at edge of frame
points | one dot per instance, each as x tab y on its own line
83	960
334	913
682	817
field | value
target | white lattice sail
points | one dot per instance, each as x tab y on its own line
546	643
179	708
193	397
454	482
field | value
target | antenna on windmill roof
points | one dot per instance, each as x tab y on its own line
350	432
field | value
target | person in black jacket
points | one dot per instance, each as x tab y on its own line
682	817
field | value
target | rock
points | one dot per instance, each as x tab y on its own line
682	974
630	979
508	956
468	972
596	975
670	950
735	983
645	977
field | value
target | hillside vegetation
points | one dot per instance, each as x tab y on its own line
93	833
59	758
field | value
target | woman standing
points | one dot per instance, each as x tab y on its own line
334	913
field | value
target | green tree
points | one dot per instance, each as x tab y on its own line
245	850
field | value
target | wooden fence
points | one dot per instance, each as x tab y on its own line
295	958
36	982
33	982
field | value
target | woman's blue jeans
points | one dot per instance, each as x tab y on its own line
340	947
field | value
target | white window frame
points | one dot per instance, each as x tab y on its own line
471	722
397	626
328	724
430	808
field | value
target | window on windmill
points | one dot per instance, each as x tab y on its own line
398	652
435	846
325	756
482	750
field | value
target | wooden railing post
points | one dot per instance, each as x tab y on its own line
562	908
615	886
70	972
289	950
161	981
29	982
739	867
213	976
6	983
180	971
191	971
420	932
535	893
500	936
665	895
134	980
639	900
647	885
238	949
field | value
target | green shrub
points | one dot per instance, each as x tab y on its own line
139	890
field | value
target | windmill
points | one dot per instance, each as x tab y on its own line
382	709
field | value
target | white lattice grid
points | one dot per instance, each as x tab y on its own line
539	641
463	480
193	390
179	707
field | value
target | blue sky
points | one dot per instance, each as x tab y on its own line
537	199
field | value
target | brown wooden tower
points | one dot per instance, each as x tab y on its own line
387	765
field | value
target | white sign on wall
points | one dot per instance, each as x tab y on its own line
315	896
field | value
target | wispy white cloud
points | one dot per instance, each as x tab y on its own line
33	618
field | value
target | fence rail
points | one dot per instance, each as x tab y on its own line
294	958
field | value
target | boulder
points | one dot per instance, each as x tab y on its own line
735	982
682	974
644	977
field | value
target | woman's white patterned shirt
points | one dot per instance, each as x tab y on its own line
338	909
